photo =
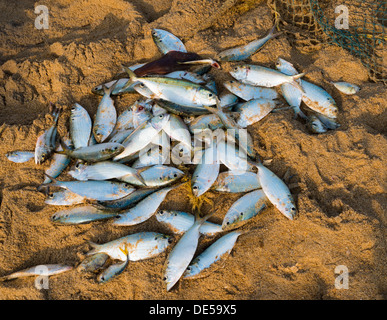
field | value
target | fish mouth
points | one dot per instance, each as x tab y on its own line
216	65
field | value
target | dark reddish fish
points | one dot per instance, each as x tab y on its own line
171	61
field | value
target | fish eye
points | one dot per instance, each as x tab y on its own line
77	165
231	81
51	195
293	209
165	278
141	85
175	175
170	240
210	95
140	108
189	268
161	116
161	212
195	187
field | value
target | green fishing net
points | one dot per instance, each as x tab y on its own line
311	23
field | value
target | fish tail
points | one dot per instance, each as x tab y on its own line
131	74
95	248
272	33
295	83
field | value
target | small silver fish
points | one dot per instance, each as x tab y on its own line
180	222
315	125
114	269
105	170
245	208
80	126
206	171
276	191
141	245
45	144
182	253
243	52
234	181
262	76
20	156
346	87
166	41
81	215
248	92
253	111
105	118
95	152
39	270
95	190
143	210
216	251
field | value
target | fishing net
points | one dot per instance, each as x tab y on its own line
311	23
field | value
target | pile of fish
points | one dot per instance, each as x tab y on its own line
181	132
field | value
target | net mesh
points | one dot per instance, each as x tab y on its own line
311	23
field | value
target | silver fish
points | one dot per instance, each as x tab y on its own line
276	191
95	152
245	208
166	41
182	253
206	171
160	175
245	51
216	251
39	270
262	76
114	269
59	162
143	135
143	210
105	118
182	92
346	87
319	100
95	190
104	170
80	126
180	222
292	95
20	156
176	129
253	111
248	92
80	215
45	144
142	245
315	125
128	201
234	181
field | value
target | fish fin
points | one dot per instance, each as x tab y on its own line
125	251
132	76
107	91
